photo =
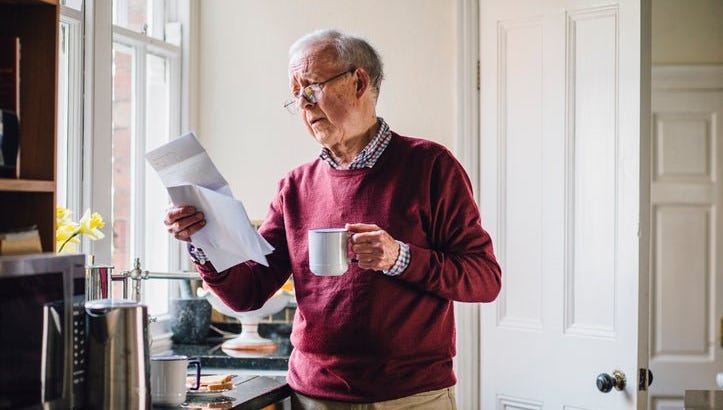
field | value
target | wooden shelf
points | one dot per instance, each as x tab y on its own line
30	199
26	185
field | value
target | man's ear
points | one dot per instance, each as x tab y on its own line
362	81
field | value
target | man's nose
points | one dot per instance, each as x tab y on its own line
304	104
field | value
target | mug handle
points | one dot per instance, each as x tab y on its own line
348	242
197	363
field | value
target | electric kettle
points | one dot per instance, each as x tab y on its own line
118	357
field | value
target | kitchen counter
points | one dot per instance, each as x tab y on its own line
212	355
258	376
249	393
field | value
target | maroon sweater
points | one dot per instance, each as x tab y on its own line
365	336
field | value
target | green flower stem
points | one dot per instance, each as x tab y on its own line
68	240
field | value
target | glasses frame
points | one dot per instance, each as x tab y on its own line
312	92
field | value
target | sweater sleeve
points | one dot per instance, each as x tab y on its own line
460	264
247	286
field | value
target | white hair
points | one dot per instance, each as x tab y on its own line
352	50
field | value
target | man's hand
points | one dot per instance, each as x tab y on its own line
375	248
183	221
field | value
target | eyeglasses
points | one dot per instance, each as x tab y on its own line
311	92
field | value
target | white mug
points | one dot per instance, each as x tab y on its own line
328	251
168	379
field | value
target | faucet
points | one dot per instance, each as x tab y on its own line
137	275
99	278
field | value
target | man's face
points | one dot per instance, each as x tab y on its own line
335	117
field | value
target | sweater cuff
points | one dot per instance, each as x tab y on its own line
400	265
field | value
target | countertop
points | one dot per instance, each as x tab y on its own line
212	355
249	393
254	389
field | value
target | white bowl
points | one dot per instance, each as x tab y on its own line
274	305
249	338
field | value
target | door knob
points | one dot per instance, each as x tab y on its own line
606	382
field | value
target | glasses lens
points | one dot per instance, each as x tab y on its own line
311	93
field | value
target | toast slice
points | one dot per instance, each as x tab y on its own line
212	382
220	386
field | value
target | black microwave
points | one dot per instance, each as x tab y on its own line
42	331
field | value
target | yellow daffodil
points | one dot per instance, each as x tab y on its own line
62	214
96	221
67	231
65	238
89	225
65	227
64	232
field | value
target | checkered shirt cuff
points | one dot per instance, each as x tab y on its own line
402	261
197	254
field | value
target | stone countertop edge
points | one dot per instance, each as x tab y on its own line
253	394
245	363
262	393
212	356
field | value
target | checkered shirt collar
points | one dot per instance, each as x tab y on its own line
369	155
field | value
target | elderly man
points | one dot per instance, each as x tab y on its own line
381	335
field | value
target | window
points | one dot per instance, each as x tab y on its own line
72	4
155	19
136	78
146	62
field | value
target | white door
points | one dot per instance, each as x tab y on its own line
687	227
565	194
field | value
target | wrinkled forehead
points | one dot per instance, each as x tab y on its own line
313	63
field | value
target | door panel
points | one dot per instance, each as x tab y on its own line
521	200
592	143
566	205
686	198
682	278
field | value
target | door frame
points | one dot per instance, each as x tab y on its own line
467	363
467	142
682	77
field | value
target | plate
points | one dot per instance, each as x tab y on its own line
206	393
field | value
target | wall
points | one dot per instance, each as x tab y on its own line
243	80
687	32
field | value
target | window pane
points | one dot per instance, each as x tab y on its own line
156	18
76	4
157	239
131	14
70	105
63	80
123	134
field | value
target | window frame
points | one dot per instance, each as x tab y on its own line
73	144
143	45
99	36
